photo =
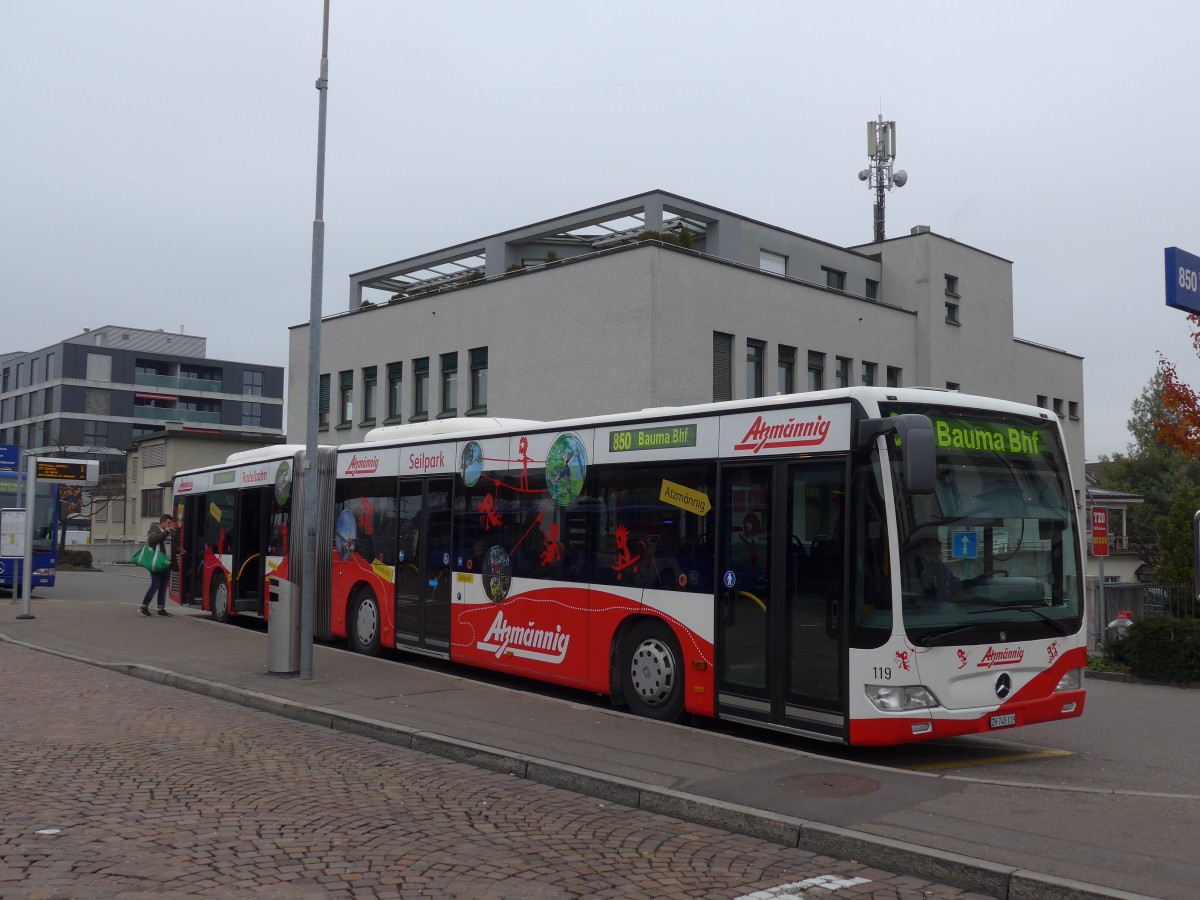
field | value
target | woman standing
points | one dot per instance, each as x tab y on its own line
159	536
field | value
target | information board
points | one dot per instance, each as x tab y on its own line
68	471
12	532
1099	531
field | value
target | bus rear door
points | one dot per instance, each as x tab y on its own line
780	634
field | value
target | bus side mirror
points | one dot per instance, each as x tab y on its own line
915	433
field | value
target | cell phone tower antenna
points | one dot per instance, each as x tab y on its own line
880	177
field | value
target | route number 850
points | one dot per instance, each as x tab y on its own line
1188	279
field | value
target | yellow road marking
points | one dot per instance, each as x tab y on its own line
991	760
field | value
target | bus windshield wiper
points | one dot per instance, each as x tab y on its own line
935	637
1055	623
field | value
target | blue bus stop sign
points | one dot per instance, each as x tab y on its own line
10	457
1183	280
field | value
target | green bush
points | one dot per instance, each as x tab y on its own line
75	559
1160	649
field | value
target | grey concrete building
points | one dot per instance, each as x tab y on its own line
90	395
657	300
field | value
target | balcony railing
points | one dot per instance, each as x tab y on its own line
160	414
174	383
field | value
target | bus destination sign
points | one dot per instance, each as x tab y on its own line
994	437
67	471
667	438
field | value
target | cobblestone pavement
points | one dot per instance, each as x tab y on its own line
112	786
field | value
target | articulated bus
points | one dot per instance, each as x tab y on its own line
870	566
45	532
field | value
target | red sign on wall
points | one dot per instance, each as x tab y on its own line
1099	531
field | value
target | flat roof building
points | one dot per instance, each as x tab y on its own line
92	395
658	300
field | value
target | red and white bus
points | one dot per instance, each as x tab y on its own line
871	566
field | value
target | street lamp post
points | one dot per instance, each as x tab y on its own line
309	568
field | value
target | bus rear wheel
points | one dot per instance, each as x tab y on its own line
218	596
652	672
362	623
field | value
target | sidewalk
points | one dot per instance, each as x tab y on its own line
1001	839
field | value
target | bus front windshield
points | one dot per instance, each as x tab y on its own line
995	544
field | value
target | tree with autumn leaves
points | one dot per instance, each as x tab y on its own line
1179	426
1162	464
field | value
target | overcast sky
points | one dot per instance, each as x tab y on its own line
159	156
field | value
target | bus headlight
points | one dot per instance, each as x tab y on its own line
896	698
1072	681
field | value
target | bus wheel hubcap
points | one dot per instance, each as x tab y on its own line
653	672
366	620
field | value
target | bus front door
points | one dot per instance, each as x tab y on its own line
190	540
780	634
423	566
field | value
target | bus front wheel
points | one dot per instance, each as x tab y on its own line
652	672
218	595
362	624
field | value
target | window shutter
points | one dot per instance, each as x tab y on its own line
323	405
722	366
395	371
479	358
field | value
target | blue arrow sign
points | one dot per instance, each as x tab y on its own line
966	545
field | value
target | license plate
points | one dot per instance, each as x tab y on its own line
1002	721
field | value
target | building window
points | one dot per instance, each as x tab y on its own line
395	405
872	289
775	263
1041	400
816	370
787	370
152	503
952	314
420	388
323	403
449	384
4	384
370	380
841	372
95	433
479	379
952	285
252	382
1073	409
252	414
1058	407
952	385
756	352
834	279
51	367
345	398
722	366
867	373
893	376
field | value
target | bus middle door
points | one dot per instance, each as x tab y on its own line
423	571
780	634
